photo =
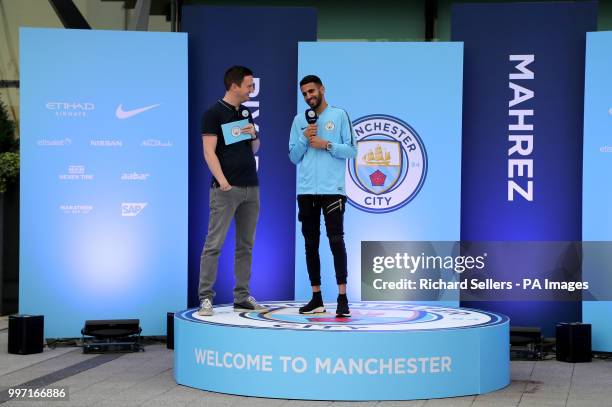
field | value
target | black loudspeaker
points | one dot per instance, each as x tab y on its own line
111	328
574	342
170	330
26	334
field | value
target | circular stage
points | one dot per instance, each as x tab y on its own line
383	351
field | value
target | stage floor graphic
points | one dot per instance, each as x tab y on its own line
383	351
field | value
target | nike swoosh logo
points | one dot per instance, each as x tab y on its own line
126	114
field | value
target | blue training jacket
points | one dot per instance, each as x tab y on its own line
321	172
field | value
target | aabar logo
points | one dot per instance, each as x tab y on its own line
126	114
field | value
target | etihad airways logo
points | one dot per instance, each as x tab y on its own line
70	109
126	114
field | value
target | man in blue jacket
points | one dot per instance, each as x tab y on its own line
320	151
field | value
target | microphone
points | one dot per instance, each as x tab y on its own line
311	116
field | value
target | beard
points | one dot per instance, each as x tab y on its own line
315	103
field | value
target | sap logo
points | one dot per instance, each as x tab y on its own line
132	208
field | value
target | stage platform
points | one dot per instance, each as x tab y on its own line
384	351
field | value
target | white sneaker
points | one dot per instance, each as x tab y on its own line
206	308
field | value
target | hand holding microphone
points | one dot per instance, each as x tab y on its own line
311	131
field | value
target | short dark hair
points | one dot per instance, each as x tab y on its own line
236	74
311	79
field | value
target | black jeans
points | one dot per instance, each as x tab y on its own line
309	215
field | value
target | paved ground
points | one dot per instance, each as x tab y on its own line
145	379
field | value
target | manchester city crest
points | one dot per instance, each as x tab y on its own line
236	131
390	167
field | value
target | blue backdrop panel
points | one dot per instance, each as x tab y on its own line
103	177
492	208
597	199
405	98
266	42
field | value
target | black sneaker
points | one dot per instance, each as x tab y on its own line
342	310
250	304
314	306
